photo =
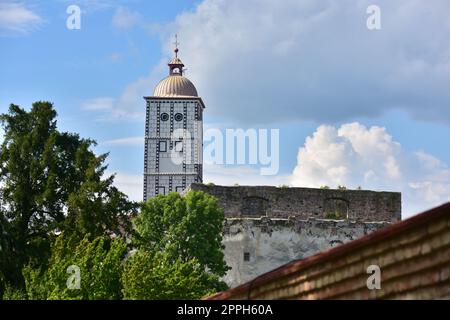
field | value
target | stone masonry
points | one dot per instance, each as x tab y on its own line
267	227
304	203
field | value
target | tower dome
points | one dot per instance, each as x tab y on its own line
175	85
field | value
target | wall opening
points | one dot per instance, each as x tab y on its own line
254	206
336	208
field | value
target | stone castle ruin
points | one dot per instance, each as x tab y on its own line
267	226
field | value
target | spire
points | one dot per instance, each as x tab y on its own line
176	66
176	43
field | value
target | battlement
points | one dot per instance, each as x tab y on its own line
304	203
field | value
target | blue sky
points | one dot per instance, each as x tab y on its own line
374	104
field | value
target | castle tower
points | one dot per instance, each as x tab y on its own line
173	134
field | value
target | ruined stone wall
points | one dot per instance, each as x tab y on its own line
274	202
413	257
267	227
255	246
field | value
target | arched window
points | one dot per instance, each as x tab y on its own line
254	206
336	208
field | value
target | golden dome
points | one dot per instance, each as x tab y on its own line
175	85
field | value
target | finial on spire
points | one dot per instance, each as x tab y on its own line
176	43
175	65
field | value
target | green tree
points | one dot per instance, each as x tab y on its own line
153	277
184	228
9	267
100	264
97	207
50	181
12	293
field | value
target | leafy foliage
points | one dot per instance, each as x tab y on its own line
148	276
334	215
105	273
100	264
184	228
12	293
50	181
58	210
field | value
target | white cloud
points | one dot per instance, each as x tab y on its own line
353	155
128	141
16	18
124	18
264	60
96	104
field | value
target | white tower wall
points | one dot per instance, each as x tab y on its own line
173	144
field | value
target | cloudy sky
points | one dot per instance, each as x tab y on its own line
353	106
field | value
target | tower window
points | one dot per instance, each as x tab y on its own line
162	146
178	116
246	256
179	146
161	190
164	116
179	189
